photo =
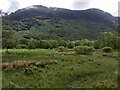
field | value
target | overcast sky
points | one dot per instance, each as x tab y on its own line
110	6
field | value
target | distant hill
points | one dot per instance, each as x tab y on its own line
41	22
92	14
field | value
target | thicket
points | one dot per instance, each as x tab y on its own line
11	39
107	49
84	50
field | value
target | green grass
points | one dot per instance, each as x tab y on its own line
71	70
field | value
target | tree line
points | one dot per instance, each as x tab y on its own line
11	40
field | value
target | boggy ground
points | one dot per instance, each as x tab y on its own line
44	68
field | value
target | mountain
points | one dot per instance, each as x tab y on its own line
42	22
92	14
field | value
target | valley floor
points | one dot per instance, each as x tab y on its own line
48	68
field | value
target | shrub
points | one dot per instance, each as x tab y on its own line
96	45
103	84
107	49
20	46
62	49
84	50
70	45
31	44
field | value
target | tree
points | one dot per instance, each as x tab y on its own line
54	43
70	44
42	44
31	44
8	37
62	43
23	41
106	39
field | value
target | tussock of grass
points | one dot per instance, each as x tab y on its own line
19	64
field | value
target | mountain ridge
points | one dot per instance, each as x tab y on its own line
92	14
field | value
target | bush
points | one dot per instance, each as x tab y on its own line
70	44
107	49
103	84
62	49
31	44
21	46
84	50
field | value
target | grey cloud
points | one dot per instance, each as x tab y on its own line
14	5
118	9
116	13
80	4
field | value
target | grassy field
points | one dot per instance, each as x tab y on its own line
68	71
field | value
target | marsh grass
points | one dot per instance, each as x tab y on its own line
71	70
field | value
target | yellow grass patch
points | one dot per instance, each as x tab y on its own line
19	64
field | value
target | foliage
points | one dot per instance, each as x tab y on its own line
8	37
68	33
107	49
31	44
108	39
62	49
96	44
66	29
70	44
23	41
103	84
103	41
21	46
84	50
45	44
84	42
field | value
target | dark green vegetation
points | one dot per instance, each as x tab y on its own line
53	47
107	49
105	39
60	29
42	23
71	70
42	27
84	50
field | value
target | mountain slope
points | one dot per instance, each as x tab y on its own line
62	29
40	22
95	15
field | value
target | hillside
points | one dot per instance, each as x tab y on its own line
41	22
92	14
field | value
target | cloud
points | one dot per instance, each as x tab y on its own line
118	12
4	5
110	6
80	4
14	5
